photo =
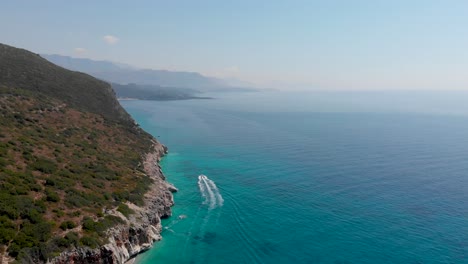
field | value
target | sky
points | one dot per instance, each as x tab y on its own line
322	45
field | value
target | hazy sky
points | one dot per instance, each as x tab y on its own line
348	44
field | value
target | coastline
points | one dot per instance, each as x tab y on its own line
141	229
166	99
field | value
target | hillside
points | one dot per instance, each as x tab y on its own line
25	70
74	169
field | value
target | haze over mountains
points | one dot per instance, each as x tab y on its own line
147	83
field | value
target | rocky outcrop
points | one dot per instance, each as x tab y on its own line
140	230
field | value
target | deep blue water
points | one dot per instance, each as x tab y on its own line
306	179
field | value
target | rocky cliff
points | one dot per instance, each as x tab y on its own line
140	230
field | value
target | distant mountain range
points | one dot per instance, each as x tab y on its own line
147	83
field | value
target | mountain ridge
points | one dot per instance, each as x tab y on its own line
115	73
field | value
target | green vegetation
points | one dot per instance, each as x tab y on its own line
102	225
61	169
67	152
125	210
67	224
26	70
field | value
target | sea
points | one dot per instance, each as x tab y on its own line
313	177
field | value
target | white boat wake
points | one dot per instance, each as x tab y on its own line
206	217
210	192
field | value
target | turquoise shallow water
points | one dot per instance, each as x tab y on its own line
308	186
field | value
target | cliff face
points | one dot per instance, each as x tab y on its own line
140	230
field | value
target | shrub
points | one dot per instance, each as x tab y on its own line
67	225
76	213
125	210
74	198
58	212
88	224
102	225
44	165
52	196
34	216
7	230
68	240
89	241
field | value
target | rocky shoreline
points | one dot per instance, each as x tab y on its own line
140	230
